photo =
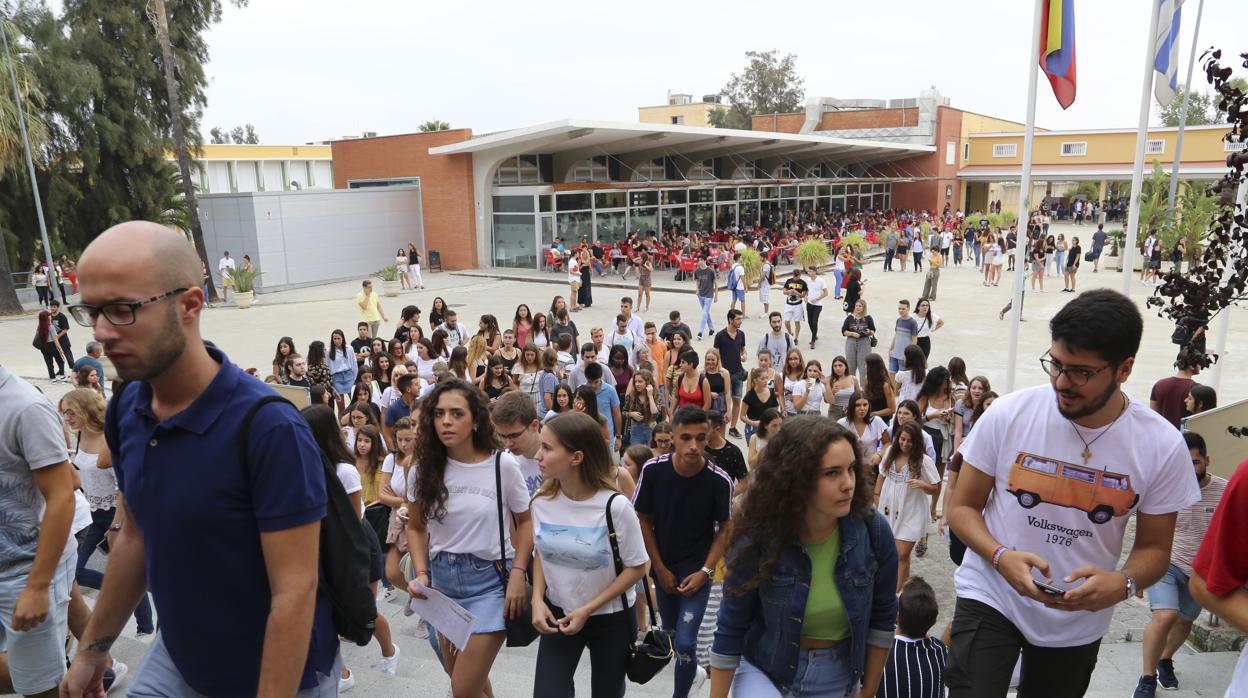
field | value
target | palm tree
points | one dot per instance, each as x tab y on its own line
160	20
435	125
11	141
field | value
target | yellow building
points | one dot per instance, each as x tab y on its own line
991	163
249	168
681	110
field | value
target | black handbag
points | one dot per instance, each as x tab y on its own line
520	630
648	655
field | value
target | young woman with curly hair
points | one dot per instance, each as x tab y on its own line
453	526
809	602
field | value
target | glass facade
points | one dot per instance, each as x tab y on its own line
607	216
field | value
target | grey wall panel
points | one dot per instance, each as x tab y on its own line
303	238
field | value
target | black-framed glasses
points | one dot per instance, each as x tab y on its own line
511	437
1078	375
118	313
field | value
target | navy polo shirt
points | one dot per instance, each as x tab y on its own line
202	512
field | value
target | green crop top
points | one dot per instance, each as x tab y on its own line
825	617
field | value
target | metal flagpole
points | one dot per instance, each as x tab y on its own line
1187	93
30	164
1127	254
1024	195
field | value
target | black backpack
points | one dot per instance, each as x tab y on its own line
344	550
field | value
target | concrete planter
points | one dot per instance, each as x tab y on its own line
390	289
244	299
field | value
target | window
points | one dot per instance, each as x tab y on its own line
591	170
951	152
1115	481
678	120
1074	472
966	151
1233	147
1004	150
1047	467
1155	146
1075	149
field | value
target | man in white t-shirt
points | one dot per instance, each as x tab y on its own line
574	281
1050	477
226	268
736	282
518	428
817	290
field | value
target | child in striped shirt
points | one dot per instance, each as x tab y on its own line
916	666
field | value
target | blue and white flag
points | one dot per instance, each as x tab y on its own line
1166	51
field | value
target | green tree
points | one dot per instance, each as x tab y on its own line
435	125
239	135
768	84
11	154
1200	110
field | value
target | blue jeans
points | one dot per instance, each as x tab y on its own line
895	364
750	431
92	536
821	673
888	259
1171	594
705	302
681	618
840	275
979	262
640	434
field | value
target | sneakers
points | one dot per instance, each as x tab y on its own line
345	685
734	433
699	679
114	674
389	665
1146	688
699	336
1165	675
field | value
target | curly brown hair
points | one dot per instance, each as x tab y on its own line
772	514
430	452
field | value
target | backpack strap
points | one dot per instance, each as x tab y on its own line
244	430
111	435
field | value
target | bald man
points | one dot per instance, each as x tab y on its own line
231	548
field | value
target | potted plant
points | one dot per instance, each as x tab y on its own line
752	262
389	280
244	286
812	253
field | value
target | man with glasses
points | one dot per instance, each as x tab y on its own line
1050	477
515	422
230	548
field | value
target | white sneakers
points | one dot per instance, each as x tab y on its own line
389	665
345	685
699	679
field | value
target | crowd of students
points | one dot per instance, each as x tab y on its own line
485	463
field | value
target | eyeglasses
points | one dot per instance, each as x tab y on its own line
511	437
119	313
1077	374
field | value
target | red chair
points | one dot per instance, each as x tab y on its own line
688	264
553	263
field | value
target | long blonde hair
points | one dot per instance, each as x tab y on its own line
577	431
477	349
89	405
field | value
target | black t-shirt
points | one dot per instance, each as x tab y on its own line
301	382
861	326
730	460
798	285
570	328
684	511
754	407
358	345
62	325
730	351
402	332
669	329
853	291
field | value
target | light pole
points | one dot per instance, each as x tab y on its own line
30	163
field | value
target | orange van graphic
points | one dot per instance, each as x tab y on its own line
1100	493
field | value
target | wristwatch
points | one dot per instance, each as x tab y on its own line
1130	583
708	572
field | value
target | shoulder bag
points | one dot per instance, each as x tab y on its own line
648	655
520	630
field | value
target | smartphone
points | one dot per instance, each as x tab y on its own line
1048	588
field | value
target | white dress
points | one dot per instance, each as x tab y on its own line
906	508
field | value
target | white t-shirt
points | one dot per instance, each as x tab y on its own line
738	273
926	327
225	266
814	397
872	438
530	469
817	287
398	478
470	526
1137	465
350	479
574	270
907	389
793	387
571	537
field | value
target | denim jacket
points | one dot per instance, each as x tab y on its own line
765	624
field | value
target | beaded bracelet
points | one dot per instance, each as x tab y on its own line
996	556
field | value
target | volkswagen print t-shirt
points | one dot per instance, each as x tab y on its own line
1049	502
571	537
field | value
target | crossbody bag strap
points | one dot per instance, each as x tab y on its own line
619	565
498	497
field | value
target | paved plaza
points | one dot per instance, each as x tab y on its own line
971	331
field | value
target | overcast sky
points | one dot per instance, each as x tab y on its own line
306	70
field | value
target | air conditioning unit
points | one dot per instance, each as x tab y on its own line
370	134
711	99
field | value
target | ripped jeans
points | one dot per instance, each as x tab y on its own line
681	616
